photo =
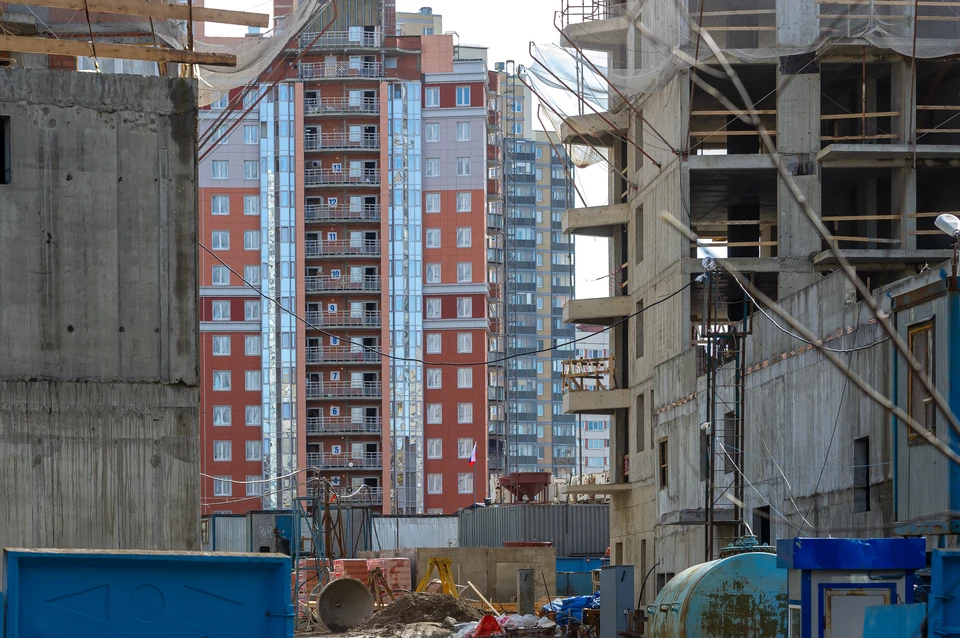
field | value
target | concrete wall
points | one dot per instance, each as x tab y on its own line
98	303
493	570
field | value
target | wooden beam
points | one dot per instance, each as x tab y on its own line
724	112
858	218
158	10
726	133
946	212
50	46
857	116
877	240
840	138
937	107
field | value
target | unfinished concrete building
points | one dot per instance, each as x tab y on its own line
98	295
861	110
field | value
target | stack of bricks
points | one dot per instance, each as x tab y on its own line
396	571
310	577
350	568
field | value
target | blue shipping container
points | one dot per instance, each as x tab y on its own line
131	594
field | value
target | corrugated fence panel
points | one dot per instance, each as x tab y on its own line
230	534
574	528
415	531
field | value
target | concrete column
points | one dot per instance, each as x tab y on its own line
797	23
525	586
904	202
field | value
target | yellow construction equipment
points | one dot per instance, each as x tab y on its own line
442	566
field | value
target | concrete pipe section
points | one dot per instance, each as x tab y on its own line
343	604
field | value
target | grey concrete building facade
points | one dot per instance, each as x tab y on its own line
98	257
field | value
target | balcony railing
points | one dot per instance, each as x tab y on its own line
342	425
342	354
344	462
322	283
340	142
341	40
321	213
339	70
344	319
338	389
341	248
353	495
341	106
588	374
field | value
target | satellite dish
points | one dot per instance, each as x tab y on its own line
709	263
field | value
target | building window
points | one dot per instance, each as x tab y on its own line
464	413
251	204
431	97
251	134
253	415
252	275
427	30
640	419
464	342
254	450
464	377
222	486
433	167
920	405
464	308
761	524
251	240
434	413
434	483
539	239
434	343
220	169
431	131
251	310
861	474
433	308
663	460
220	276
464	448
251	380
639	328
463	167
464	202
433	238
221	345
221	380
433	273
251	345
433	202
219	204
463	131
463	96
222	451
251	169
638	234
539	152
434	448
254	485
222	415
539	194
518	128
221	310
434	378
465	483
464	237
464	272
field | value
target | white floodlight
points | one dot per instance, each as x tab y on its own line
949	224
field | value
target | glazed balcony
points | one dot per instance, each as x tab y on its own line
340	142
328	283
342	425
345	319
313	213
339	70
341	40
341	462
313	249
342	354
340	106
341	389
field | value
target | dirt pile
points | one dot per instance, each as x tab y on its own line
417	608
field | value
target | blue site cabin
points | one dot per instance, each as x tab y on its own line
832	580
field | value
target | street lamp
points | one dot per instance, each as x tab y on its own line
950	225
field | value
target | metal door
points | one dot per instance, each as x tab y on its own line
842	608
943	604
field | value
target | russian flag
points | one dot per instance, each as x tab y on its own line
473	456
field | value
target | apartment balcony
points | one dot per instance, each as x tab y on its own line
495	255
324	177
604	311
339	71
496	394
342	425
345	319
341	40
358	495
313	249
329	283
595	221
342	389
594	129
313	213
341	462
341	142
495	222
317	107
342	354
589	388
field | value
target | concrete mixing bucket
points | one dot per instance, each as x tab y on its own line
343	604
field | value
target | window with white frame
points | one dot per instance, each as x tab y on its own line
221	345
434	378
463	131
251	310
465	483
434	413
252	415
464	377
251	240
433	202
463	166
434	483
464	202
433	273
222	415
221	310
431	132
434	448
464	307
254	484
464	342
219	204
433	238
464	272
220	169
254	450
434	343
433	167
463	96
464	413
251	204
433	307
464	448
539	152
431	97
252	275
518	128
251	134
251	169
222	486
539	194
251	381
251	345
517	106
221	380
222	451
464	237
220	276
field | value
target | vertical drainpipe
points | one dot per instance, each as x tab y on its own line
895	385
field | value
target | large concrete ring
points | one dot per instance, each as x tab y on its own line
343	604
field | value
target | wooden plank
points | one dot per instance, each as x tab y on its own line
864	16
926	232
866	239
734	244
840	138
891	3
927	131
705	113
859	116
726	133
858	218
732	222
945	212
938	107
740	28
50	46
746	12
158	10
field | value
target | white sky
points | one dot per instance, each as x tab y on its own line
506	28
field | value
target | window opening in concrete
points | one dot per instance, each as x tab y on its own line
856	104
863	208
663	462
640	420
938	103
761	524
5	150
639	328
936	194
716	131
861	474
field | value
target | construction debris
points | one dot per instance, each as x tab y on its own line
423	608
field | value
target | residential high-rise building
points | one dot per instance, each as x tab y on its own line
422	22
